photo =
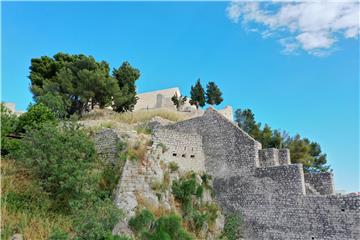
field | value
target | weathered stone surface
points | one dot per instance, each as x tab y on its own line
269	192
107	144
322	182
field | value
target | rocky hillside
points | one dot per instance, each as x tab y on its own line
150	183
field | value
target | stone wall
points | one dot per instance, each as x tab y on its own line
107	144
323	183
271	212
267	190
228	149
184	149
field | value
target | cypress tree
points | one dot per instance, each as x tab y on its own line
213	94
197	95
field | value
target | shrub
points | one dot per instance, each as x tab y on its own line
61	158
95	218
232	227
55	103
36	115
167	227
184	189
142	221
9	123
59	234
173	166
143	128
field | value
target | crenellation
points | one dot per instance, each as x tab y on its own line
284	156
323	182
269	191
269	157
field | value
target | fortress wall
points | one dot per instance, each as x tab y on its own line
272	200
106	143
322	182
284	156
289	178
227	112
184	149
268	157
273	212
228	149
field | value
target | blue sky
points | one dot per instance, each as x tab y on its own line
291	79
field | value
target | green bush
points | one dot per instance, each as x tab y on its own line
59	234
232	227
95	218
184	189
164	228
168	227
61	158
36	115
55	103
142	221
9	123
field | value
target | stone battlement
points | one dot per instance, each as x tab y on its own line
275	197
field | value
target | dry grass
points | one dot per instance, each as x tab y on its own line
135	117
144	203
23	206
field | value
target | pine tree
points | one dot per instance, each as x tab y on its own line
213	94
197	94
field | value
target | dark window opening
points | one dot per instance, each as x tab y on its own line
174	154
183	155
192	156
343	210
312	238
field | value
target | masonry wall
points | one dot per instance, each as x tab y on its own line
271	212
269	192
184	149
107	146
322	182
228	149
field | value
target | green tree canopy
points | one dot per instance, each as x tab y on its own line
197	95
213	94
76	83
302	150
126	77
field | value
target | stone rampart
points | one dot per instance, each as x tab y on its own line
184	149
228	149
107	144
268	190
323	183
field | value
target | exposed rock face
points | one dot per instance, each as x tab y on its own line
136	189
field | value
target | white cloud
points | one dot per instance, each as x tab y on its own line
312	26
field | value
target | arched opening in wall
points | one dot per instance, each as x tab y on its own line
174	154
184	155
312	238
192	156
343	210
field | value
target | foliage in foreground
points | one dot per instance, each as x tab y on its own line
168	227
232	227
65	180
9	124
